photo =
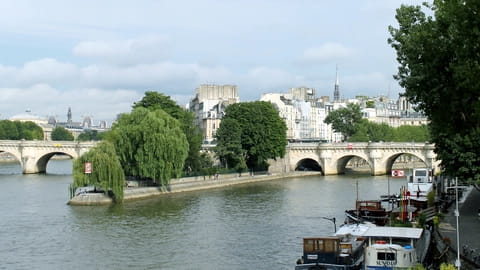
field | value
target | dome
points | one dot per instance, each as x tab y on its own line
27	116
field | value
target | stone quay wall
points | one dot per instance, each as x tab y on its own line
182	185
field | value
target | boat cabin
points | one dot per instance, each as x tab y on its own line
395	247
344	250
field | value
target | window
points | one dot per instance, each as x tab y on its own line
385	256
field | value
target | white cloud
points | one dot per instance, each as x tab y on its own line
147	49
327	52
270	79
45	100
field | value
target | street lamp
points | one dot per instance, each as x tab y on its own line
334	222
457	214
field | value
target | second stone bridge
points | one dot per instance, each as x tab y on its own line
331	158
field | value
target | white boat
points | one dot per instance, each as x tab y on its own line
391	248
420	184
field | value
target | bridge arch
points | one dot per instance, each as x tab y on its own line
393	157
42	162
343	161
308	164
34	155
15	154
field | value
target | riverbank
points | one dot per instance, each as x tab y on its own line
182	185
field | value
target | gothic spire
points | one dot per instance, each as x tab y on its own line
336	91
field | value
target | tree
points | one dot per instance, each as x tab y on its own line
345	120
439	67
154	100
150	144
106	173
61	134
90	135
16	130
31	131
370	131
262	134
411	134
229	143
8	130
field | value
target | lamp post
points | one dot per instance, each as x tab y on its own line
457	214
334	222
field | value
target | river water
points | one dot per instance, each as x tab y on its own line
254	226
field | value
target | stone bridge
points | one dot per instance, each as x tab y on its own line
34	155
331	158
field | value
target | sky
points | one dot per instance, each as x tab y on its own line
99	57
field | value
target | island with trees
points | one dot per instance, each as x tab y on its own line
157	142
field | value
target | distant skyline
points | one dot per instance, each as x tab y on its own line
99	57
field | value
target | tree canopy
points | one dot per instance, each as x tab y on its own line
61	134
439	67
254	132
375	132
16	130
150	144
155	100
106	172
345	120
91	135
229	143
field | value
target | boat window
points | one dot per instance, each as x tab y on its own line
386	256
421	173
330	246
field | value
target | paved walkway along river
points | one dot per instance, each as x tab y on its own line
469	223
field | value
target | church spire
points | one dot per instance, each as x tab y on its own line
69	115
336	91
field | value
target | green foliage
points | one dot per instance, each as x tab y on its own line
229	143
106	173
422	219
370	131
91	135
412	134
150	144
374	132
439	67
16	130
418	267
254	132
431	199
153	101
446	266
345	120
370	104
61	134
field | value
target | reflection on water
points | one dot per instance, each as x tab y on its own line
255	226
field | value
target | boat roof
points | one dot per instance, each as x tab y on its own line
394	232
353	229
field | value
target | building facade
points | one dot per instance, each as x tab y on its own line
209	105
304	114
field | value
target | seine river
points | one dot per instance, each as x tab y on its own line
255	226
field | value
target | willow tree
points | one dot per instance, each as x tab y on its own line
155	100
106	171
150	145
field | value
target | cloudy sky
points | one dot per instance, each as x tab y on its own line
98	57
